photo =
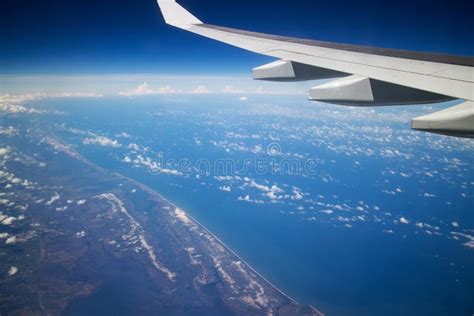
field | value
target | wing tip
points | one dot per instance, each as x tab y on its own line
175	15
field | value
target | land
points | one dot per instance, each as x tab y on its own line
77	239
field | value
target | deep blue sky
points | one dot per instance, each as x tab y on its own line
125	36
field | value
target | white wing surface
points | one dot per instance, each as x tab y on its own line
363	76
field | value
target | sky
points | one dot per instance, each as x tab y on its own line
130	37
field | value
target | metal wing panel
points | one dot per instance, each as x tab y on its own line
451	80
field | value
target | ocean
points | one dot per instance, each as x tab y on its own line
343	208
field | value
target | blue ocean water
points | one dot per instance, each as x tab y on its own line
347	209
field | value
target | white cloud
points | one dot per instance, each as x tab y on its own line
81	202
201	89
469	243
133	146
243	99
403	220
247	198
9	220
455	224
123	135
297	195
270	192
53	199
231	89
13	104
9	131
4	151
154	166
11	240
13	270
225	188
144	89
260	89
327	212
101	141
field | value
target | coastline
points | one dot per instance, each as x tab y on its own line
71	151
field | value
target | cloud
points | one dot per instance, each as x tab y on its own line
53	199
9	131
225	188
4	151
403	220
123	135
133	146
327	212
13	270
101	141
201	89
9	220
247	198
297	195
231	89
11	240
270	192
469	243
151	165
243	99
13	104
144	89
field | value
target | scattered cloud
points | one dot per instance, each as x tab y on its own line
123	135
101	141
53	199
403	220
201	89
13	104
8	131
469	243
144	89
225	188
10	240
231	89
4	151
13	270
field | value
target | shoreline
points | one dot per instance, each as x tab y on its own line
76	155
150	190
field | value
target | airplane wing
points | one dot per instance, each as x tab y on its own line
362	76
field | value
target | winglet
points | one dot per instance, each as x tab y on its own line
176	15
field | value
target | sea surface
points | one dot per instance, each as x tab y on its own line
343	208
